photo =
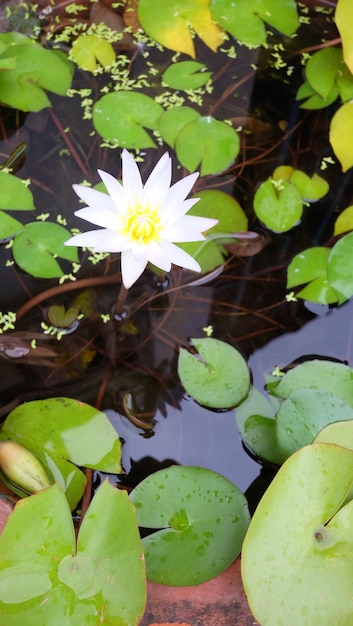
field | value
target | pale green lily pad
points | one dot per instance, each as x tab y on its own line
15	196
339	433
341	130
38	244
340	268
246	19
202	519
344	222
299	540
46	578
86	50
310	189
121	118
217	376
208	142
317	374
67	427
186	75
278	205
301	417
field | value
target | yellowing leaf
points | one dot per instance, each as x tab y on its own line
344	20
341	131
344	222
87	49
169	23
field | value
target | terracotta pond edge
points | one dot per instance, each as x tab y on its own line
217	602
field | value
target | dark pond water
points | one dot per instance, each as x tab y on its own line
246	305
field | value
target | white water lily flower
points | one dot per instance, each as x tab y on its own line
142	221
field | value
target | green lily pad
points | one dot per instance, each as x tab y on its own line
121	118
301	417
38	244
310	189
9	226
170	23
46	578
15	196
217	376
339	433
310	266
340	268
298	545
37	69
186	75
341	129
317	374
246	19
207	141
86	50
172	121
322	69
278	205
202	519
314	100
344	222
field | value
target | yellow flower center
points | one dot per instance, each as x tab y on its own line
143	224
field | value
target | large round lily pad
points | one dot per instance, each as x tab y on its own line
297	564
201	519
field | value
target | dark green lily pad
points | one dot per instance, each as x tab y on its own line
217	376
202	519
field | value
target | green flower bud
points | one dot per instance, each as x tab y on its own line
21	469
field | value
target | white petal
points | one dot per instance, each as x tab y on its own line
132	267
101	240
92	197
180	190
188	228
132	181
180	257
158	182
157	255
106	218
174	212
114	189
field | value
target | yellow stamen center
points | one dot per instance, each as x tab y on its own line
143	224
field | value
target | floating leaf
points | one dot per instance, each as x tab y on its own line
297	533
340	433
207	141
120	118
310	189
15	196
87	49
62	431
278	205
172	121
36	69
301	417
169	23
322	68
8	226
45	578
307	266
344	222
217	376
314	100
341	131
202	519
231	218
246	19
340	268
186	75
343	20
38	244
317	374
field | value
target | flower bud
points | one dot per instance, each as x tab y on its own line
21	469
